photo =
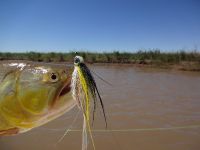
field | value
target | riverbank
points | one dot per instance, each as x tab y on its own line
180	60
182	66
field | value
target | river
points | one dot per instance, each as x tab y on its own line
147	109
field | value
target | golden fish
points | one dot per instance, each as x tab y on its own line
32	95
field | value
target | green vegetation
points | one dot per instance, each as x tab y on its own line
151	57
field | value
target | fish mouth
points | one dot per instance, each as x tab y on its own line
67	86
65	89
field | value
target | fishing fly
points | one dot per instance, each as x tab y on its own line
84	90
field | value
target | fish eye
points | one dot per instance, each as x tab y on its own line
54	77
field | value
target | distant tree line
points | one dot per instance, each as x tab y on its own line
139	57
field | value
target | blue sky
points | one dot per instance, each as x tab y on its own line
99	25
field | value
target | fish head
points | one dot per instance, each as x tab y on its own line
39	94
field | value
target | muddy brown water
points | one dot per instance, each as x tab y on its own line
137	99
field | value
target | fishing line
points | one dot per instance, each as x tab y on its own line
68	129
101	78
141	129
132	129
